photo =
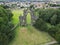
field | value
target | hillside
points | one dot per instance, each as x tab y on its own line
28	35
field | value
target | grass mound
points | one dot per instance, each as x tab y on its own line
28	35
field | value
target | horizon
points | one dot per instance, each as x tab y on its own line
25	0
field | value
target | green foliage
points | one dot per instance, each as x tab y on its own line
53	19
5	26
31	7
51	16
13	6
49	21
54	5
22	7
5	6
39	25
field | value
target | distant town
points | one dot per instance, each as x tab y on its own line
37	4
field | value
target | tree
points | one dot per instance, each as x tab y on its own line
53	19
32	7
40	24
5	6
49	21
5	26
57	35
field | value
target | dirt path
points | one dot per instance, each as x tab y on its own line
53	42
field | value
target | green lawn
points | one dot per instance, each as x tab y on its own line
28	18
16	14
28	35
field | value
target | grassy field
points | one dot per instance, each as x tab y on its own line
16	14
28	18
28	35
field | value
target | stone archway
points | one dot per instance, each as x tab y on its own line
23	21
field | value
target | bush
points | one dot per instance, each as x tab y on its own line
39	25
6	35
49	21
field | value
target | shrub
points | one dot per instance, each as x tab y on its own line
6	35
49	21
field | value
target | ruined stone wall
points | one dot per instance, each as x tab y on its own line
22	19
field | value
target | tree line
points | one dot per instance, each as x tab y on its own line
49	21
6	35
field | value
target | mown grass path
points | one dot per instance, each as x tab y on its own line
30	36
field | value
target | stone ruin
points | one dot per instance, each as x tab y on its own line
22	19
